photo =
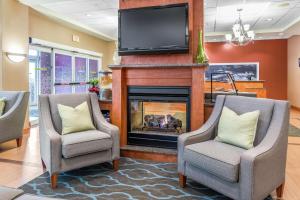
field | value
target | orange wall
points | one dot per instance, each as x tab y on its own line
272	58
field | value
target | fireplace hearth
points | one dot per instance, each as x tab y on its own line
157	115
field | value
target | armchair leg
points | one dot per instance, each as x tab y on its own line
19	141
279	191
115	165
54	178
182	180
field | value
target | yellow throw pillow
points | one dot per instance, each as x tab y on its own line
2	105
75	119
237	130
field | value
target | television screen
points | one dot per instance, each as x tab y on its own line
153	30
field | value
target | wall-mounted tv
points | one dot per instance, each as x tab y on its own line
154	30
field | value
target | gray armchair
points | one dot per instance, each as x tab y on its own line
62	153
13	118
238	173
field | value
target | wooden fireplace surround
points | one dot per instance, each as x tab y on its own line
191	75
160	70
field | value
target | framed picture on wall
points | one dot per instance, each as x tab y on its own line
239	71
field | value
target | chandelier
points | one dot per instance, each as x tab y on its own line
242	35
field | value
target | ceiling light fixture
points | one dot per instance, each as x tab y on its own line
269	19
242	35
16	57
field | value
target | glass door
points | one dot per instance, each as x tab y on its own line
33	82
40	78
80	75
63	73
72	72
93	68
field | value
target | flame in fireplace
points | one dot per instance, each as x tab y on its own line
164	122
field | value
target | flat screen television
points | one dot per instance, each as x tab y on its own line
154	30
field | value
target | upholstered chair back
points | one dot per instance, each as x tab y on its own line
10	98
242	105
71	100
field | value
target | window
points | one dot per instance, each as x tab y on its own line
73	71
40	73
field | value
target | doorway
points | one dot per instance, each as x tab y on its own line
53	71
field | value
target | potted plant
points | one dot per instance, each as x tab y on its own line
94	86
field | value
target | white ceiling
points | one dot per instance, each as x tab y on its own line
270	19
99	17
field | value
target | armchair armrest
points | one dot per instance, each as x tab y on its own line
12	122
50	140
264	165
206	132
104	126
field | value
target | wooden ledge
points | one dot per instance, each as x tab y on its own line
176	65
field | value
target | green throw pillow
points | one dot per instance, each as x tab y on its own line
2	105
75	119
237	130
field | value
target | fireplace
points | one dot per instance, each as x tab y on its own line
157	115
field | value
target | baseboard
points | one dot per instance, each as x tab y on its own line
295	108
149	156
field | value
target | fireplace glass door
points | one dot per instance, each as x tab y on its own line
162	118
157	115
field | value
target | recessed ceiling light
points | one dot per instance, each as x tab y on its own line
88	15
284	4
269	19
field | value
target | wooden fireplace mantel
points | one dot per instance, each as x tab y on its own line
191	75
175	65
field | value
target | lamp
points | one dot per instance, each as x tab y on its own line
242	35
16	57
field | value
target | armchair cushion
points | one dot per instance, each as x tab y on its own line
10	99
2	105
71	100
70	116
238	130
219	159
242	105
82	143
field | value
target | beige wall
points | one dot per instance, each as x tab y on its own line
294	71
14	20
14	39
42	27
1	52
19	22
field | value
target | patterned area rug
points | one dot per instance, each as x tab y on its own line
136	180
294	131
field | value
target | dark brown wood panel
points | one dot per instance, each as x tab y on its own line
161	73
159	82
257	87
105	105
119	99
149	156
197	99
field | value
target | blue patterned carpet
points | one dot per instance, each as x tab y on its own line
136	180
